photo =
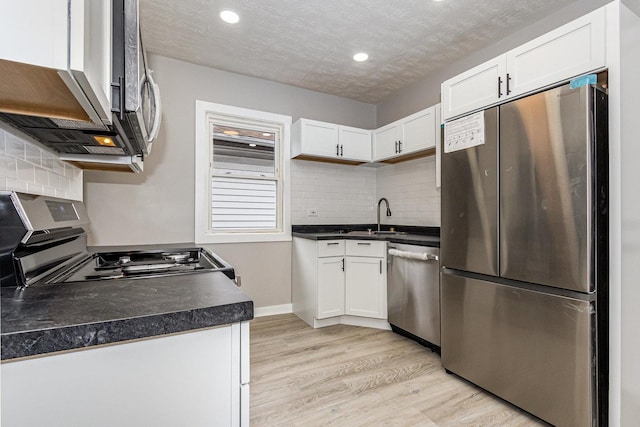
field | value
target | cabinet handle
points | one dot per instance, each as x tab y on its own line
380	266
396	142
337	149
364	243
341	152
508	80
399	146
499	86
342	264
333	243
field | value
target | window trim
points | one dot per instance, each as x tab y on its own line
202	232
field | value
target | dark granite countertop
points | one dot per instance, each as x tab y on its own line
50	318
421	236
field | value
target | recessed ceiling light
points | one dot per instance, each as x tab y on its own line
266	134
252	145
229	16
360	57
231	132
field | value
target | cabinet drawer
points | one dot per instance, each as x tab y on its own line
330	248
366	248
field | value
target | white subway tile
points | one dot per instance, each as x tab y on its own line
14	146
49	191
65	183
2	141
41	176
58	167
33	154
48	160
54	180
26	172
33	188
8	167
14	185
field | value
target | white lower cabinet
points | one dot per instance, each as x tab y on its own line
331	276
197	379
366	293
340	281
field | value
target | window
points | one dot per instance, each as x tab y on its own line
241	175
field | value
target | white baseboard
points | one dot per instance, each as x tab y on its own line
272	310
352	321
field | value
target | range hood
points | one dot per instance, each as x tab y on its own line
55	112
80	86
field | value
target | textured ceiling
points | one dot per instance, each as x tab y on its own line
310	43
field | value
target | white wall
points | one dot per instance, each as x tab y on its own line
27	168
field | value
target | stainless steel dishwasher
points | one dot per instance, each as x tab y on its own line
413	292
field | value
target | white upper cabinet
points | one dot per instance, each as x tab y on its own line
573	49
47	39
386	141
331	141
409	135
355	143
311	139
475	88
418	131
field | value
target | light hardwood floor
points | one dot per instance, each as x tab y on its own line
351	376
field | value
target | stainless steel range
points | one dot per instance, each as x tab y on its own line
43	241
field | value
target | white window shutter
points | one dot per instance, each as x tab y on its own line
243	203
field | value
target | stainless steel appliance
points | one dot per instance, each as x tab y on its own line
43	241
136	97
525	255
135	106
413	292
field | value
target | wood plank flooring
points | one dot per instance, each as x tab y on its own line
351	376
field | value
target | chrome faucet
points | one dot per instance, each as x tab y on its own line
388	210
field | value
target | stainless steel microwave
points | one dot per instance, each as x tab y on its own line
135	95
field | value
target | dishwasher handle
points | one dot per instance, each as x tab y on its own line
413	255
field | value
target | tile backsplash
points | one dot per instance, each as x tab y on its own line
340	194
343	194
27	168
411	190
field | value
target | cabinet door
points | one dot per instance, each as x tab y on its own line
330	287
365	289
319	138
476	88
418	131
355	144
34	32
197	372
385	141
573	49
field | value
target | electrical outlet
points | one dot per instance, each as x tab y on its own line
312	212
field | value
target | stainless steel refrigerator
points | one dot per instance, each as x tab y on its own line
524	253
